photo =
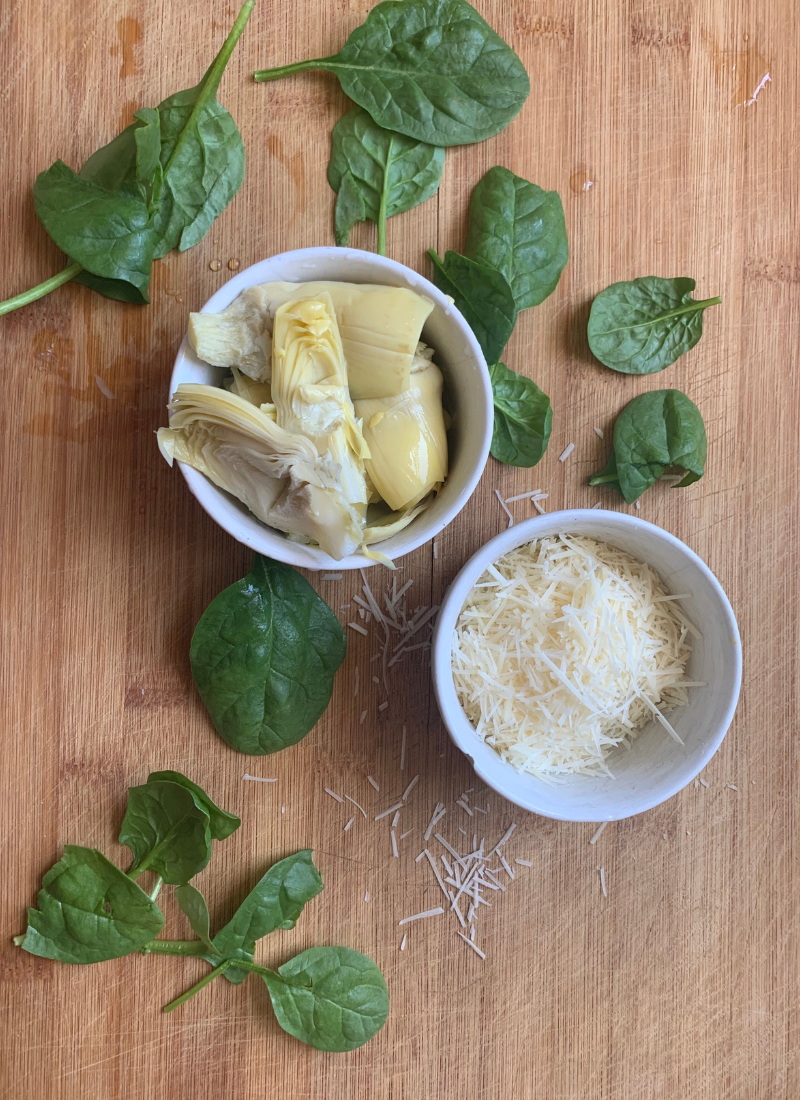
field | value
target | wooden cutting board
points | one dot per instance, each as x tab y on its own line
683	981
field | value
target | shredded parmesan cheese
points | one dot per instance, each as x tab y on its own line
570	447
421	916
258	778
564	650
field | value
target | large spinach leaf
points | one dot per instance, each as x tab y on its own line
392	173
522	418
263	657
483	296
108	232
431	69
658	430
332	998
276	901
89	911
221	823
167	831
202	155
158	185
643	326
518	229
350	208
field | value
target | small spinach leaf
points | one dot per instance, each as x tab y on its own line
391	173
89	911
167	831
643	326
264	655
194	906
483	296
656	431
518	229
276	901
431	69
108	232
221	823
522	418
332	998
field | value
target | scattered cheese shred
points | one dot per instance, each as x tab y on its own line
409	788
602	871
474	946
599	433
565	649
333	794
505	509
598	833
570	447
258	778
395	852
349	823
360	629
358	807
397	806
403	942
438	911
331	576
106	392
372	783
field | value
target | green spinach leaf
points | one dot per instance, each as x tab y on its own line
263	657
483	296
221	823
658	430
89	911
391	173
643	326
167	831
522	418
276	901
518	229
108	232
431	69
202	155
194	906
332	998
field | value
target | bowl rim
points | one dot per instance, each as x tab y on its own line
298	554
460	729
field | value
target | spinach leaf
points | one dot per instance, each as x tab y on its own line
89	911
522	418
221	823
158	185
519	230
332	998
263	657
656	431
194	906
483	296
431	69
350	208
390	172
167	831
202	155
643	326
108	232
276	901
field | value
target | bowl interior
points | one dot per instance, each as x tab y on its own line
467	397
655	767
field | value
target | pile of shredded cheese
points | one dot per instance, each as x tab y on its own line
565	649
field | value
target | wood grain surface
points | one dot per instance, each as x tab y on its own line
683	983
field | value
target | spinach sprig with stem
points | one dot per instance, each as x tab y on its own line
159	185
433	70
333	998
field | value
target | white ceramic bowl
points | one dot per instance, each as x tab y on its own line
655	767
468	395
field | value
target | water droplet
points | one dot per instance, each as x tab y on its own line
233	265
581	181
215	265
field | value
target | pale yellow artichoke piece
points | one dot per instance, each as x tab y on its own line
257	393
391	524
238	336
280	476
309	390
407	440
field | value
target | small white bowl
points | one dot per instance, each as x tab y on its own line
468	395
655	767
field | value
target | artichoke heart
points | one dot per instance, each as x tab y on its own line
238	336
407	440
280	476
380	328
